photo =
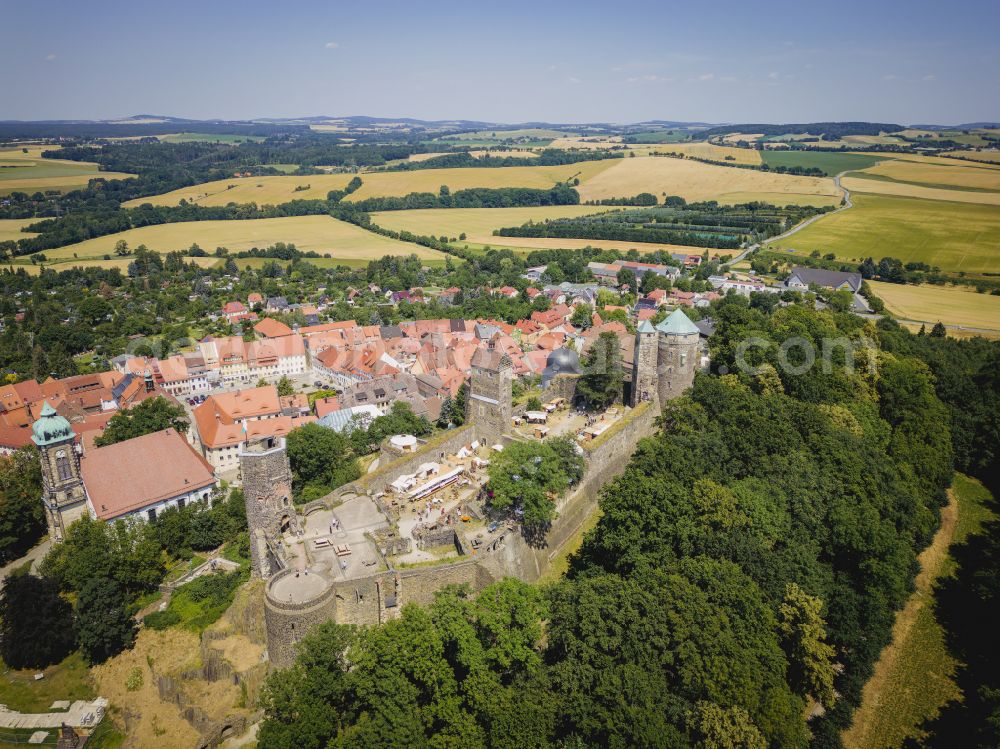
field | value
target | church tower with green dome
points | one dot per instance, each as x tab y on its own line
63	493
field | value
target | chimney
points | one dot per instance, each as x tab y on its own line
149	382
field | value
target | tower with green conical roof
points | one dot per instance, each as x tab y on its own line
63	494
677	355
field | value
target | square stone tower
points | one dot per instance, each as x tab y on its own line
644	364
267	494
63	493
490	405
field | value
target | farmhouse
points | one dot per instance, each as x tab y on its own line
801	279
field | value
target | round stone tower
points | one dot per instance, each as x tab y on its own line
677	355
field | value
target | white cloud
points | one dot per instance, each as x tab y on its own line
50	57
574	79
551	68
889	77
706	76
774	75
930	77
331	45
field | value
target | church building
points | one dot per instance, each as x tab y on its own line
140	477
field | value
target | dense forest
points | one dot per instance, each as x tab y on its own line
829	130
744	574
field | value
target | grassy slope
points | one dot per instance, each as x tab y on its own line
952	236
913	677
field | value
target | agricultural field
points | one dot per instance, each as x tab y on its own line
260	190
953	236
953	306
377	184
10	229
24	170
478	225
703	150
210	138
830	162
938	173
660	136
858	182
276	190
526	133
695	181
322	234
990	157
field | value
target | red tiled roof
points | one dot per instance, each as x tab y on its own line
136	473
271	328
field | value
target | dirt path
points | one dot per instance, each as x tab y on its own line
931	560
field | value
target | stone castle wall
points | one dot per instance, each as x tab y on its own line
607	458
434	450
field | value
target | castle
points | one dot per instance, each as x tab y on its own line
333	559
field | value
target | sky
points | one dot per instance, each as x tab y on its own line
909	63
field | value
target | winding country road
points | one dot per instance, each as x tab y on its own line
847	204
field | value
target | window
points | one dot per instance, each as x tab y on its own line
152	515
63	468
180	503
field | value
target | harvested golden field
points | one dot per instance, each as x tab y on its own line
277	190
10	229
259	190
737	137
873	139
478	225
24	170
513	153
377	184
426	156
909	190
712	152
958	306
586	143
990	157
950	173
322	234
694	181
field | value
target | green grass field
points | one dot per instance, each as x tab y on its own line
660	136
831	162
68	680
913	678
210	138
323	234
953	236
